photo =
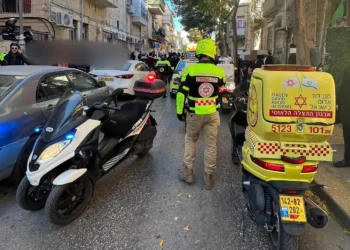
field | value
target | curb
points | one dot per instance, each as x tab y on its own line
341	215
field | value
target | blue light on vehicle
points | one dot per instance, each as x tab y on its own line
69	136
37	130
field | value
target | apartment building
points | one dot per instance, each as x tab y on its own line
138	24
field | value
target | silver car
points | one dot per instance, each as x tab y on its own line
28	95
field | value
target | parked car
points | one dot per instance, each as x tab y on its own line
28	95
124	78
176	78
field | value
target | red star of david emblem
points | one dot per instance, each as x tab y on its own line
290	83
206	90
300	101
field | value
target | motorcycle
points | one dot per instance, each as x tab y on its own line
226	97
276	173
78	146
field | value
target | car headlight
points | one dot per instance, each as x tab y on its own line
176	80
231	87
52	151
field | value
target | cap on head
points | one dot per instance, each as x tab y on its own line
206	47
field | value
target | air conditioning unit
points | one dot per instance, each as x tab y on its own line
283	21
130	9
64	19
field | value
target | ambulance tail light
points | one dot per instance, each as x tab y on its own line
309	169
268	165
288	67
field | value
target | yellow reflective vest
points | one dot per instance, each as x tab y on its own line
200	84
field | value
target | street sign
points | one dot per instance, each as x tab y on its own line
157	45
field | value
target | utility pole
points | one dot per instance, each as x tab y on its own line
21	36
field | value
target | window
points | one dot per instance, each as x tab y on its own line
52	87
145	67
107	37
240	23
139	67
7	83
73	32
81	81
126	67
11	6
85	32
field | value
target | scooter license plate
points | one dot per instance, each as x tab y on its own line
224	100
292	208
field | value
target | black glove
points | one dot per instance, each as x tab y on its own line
181	117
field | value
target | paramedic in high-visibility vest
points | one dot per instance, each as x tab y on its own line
200	84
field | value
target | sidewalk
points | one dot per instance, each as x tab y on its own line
337	195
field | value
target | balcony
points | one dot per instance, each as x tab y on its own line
271	7
140	16
156	7
139	20
107	3
168	19
158	34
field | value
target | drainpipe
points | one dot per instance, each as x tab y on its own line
82	19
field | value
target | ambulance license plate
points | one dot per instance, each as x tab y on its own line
292	208
107	79
224	100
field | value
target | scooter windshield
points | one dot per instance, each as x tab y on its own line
67	115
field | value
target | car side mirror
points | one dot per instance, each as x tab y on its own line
102	84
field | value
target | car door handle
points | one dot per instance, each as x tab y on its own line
50	107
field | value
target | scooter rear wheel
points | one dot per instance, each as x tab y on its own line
67	202
281	240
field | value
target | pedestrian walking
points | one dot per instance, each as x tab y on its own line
344	104
200	84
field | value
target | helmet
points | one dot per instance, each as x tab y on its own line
11	22
206	47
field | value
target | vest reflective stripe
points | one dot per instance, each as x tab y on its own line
205	102
186	88
202	98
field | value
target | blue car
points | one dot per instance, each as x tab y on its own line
28	95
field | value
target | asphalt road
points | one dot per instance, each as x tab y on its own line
142	203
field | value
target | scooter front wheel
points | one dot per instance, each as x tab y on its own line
281	240
30	197
67	202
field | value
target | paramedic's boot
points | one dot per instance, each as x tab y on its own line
186	175
208	181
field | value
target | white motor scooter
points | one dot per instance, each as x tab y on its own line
69	156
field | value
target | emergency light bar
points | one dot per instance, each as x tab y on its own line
287	67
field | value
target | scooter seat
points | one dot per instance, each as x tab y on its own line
119	123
